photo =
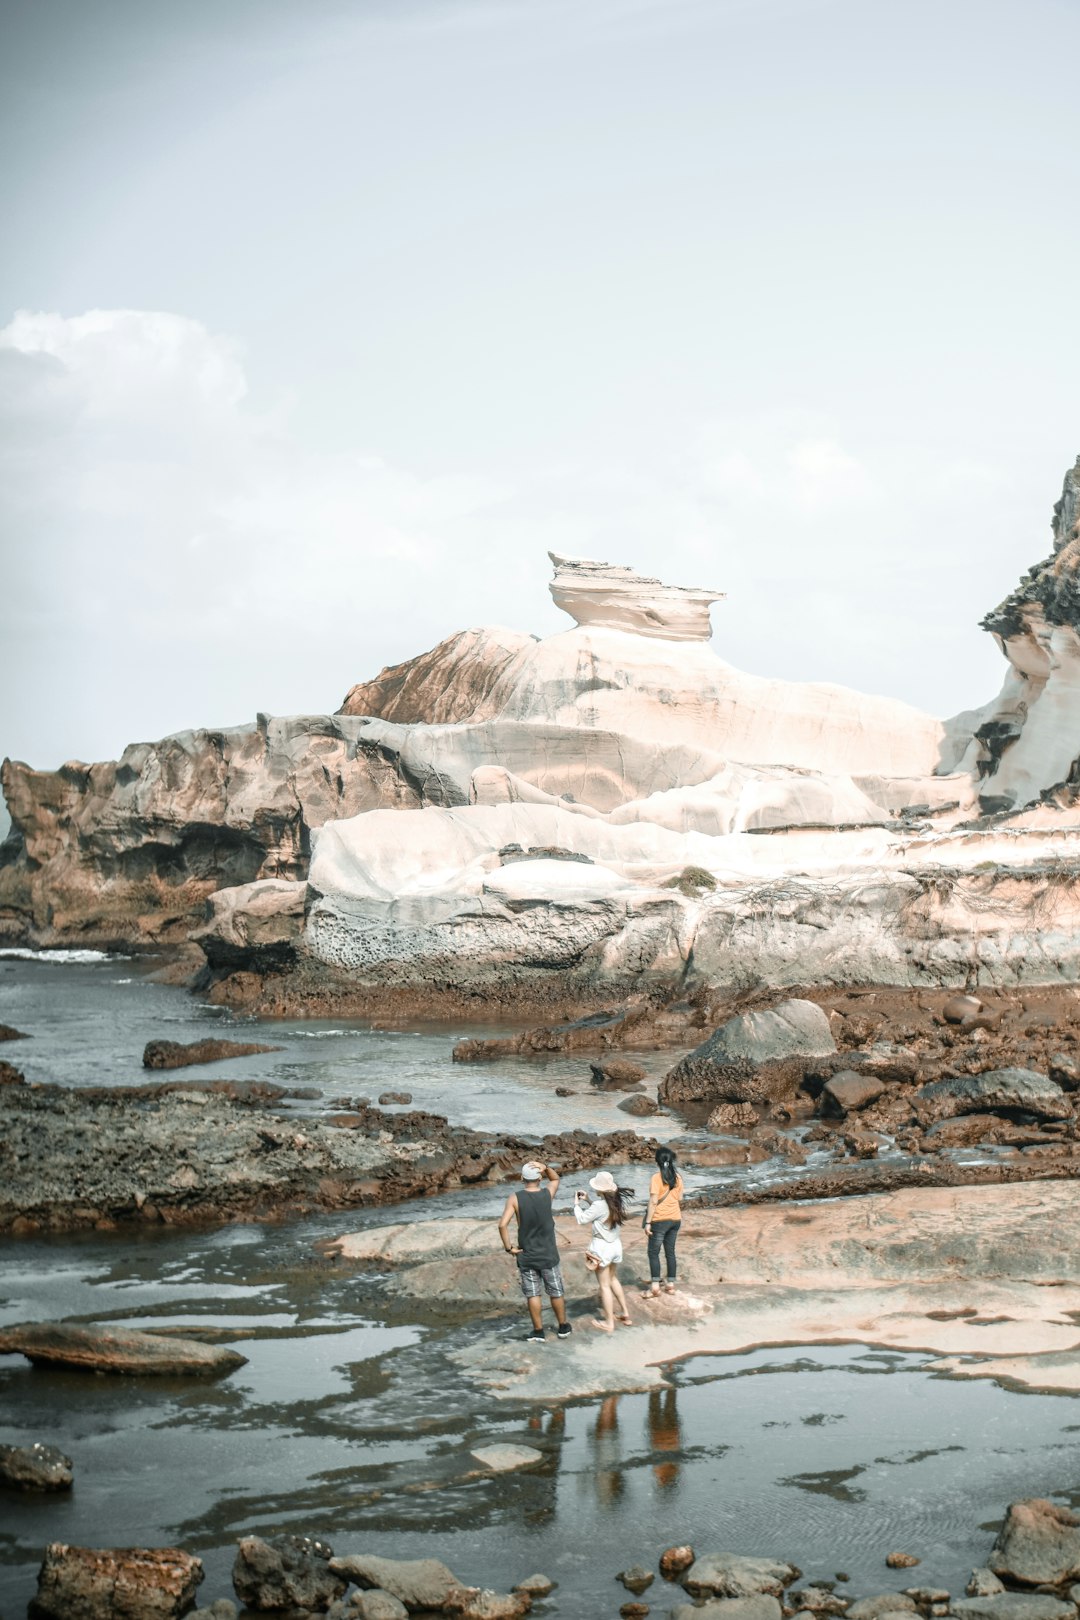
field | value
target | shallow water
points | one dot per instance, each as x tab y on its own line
351	1422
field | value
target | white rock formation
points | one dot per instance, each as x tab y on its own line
597	593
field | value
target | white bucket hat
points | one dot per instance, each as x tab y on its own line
603	1182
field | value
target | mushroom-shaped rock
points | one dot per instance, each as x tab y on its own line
115	1583
617	598
1038	1545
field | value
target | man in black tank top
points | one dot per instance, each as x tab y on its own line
536	1249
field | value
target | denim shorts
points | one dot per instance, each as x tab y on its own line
550	1277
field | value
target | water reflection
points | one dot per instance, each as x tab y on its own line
607	1453
665	1434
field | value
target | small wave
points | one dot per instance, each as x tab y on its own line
23	953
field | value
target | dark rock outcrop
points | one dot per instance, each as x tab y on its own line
287	1572
1017	1090
35	1468
115	1583
174	1055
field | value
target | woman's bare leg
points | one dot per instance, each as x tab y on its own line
603	1279
620	1298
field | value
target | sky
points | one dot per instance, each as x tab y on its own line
322	322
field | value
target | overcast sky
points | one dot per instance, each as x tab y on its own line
323	321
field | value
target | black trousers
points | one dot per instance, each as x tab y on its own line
663	1236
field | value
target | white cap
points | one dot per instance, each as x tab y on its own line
530	1172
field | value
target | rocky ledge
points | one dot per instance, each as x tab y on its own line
181	1156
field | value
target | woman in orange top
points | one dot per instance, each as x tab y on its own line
663	1219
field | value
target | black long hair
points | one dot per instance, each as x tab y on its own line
666	1161
616	1204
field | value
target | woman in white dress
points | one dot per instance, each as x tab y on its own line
605	1214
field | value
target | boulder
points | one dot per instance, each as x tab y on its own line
872	1608
983	1583
675	1560
753	1056
537	1586
115	1583
738	1116
476	1603
419	1583
1038	1545
761	1607
901	1560
1013	1606
846	1093
636	1579
379	1605
401	1099
35	1468
285	1573
116	1350
1065	1071
959	1009
817	1600
1023	1090
174	1055
730	1575
504	1459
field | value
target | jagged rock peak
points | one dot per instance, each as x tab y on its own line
607	594
1052	585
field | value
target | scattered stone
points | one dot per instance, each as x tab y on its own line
9	1034
1021	1089
636	1579
395	1098
537	1586
115	1583
846	1093
419	1583
378	1605
674	1560
286	1572
732	1576
223	1609
641	1105
175	1055
1014	1606
563	1091
872	1608
983	1583
502	1459
928	1595
732	1117
958	1009
11	1076
901	1560
1038	1545
1065	1071
115	1350
616	1074
634	1611
35	1468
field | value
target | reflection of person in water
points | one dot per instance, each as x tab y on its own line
608	1472
664	1432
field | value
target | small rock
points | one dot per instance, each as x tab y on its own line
732	1116
960	1008
378	1605
389	1099
563	1091
902	1560
616	1074
223	1609
91	1583
759	1607
536	1585
420	1583
927	1594
674	1560
846	1093
634	1611
818	1600
636	1579
287	1572
35	1468
1065	1071
984	1583
503	1459
641	1106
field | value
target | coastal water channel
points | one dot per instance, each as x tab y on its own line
351	1420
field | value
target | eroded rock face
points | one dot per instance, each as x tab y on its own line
596	593
130	1583
1012	1089
1039	1544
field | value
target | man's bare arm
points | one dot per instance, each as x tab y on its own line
552	1178
505	1218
